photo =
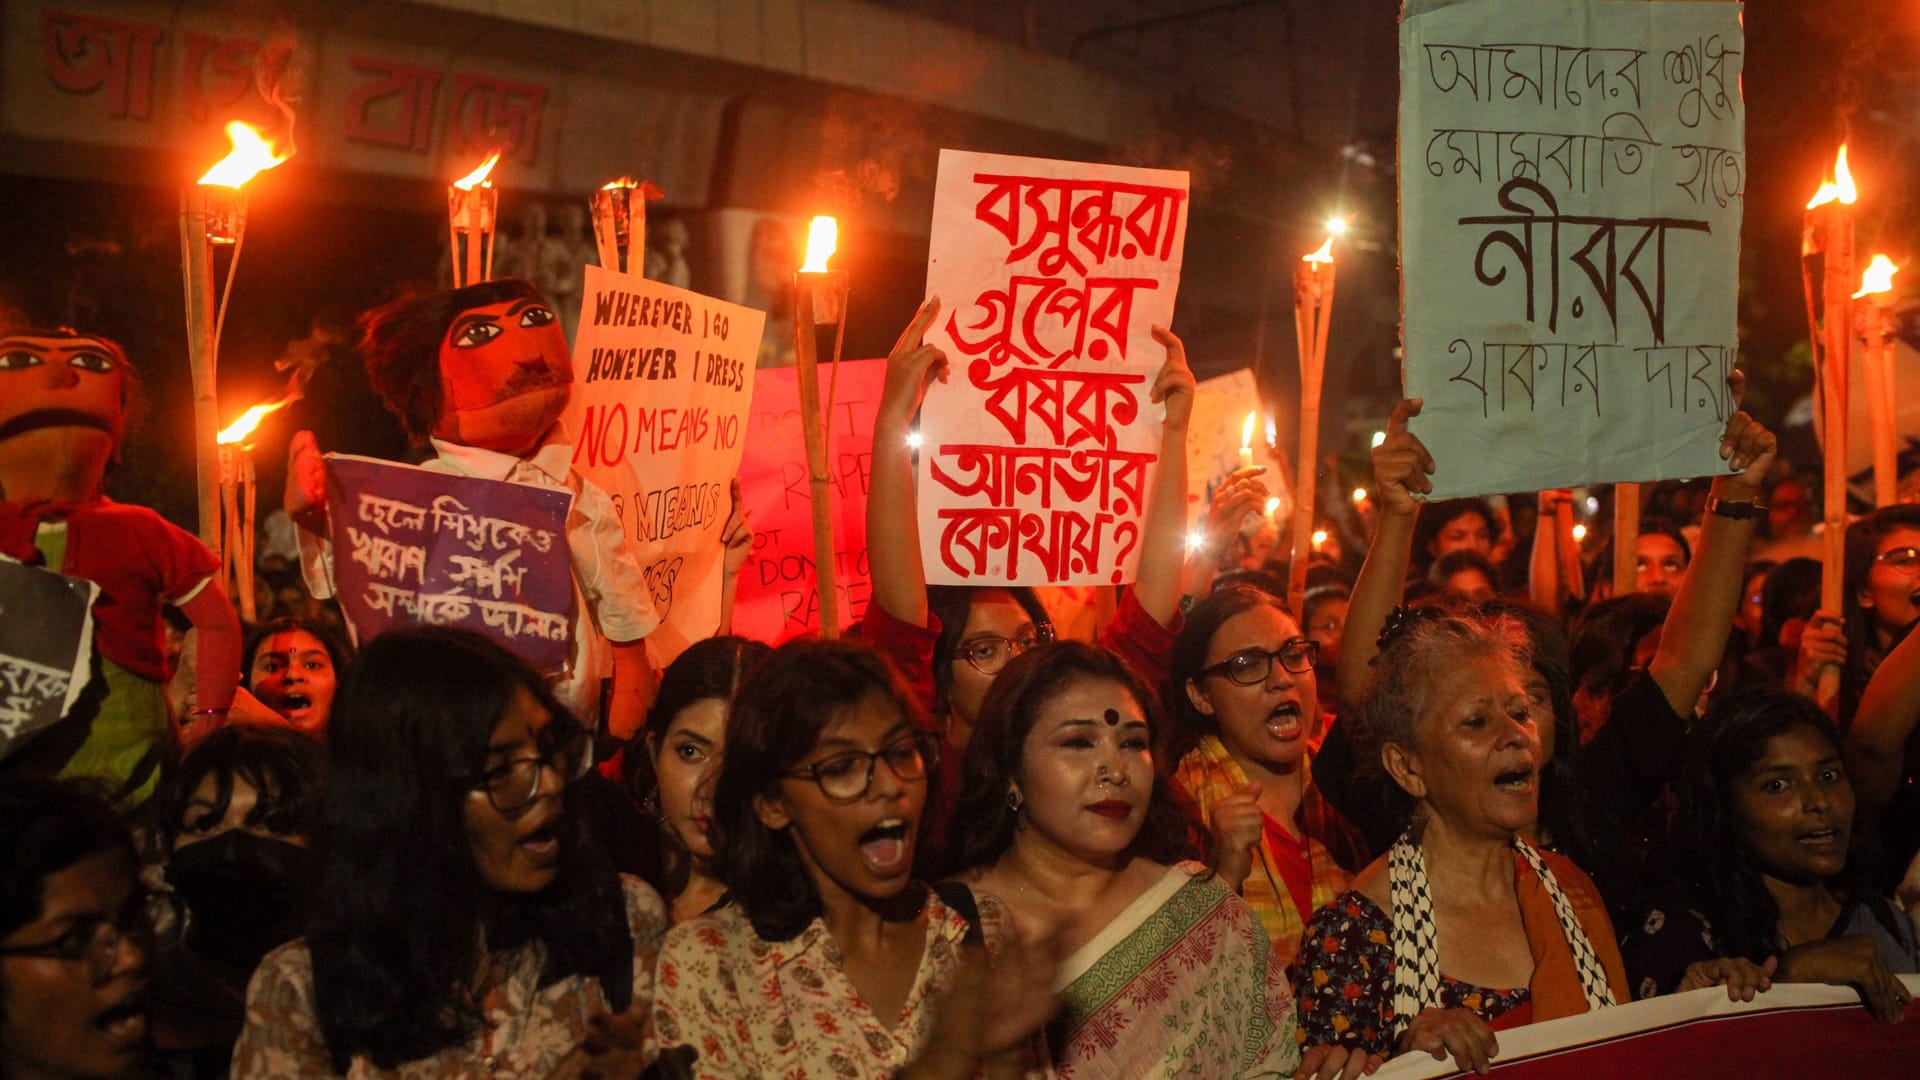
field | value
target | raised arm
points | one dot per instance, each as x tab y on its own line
1163	546
1889	711
1401	466
1701	619
893	521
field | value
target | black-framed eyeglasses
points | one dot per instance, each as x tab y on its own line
844	778
989	653
1905	560
512	784
1252	666
155	920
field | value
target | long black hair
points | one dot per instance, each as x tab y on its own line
983	823
774	722
1707	852
401	913
711	668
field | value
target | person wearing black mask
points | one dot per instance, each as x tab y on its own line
234	821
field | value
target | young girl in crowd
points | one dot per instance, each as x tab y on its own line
76	930
1766	849
676	759
1066	827
234	822
1244	701
831	959
292	666
461	923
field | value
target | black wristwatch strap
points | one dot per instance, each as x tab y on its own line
1738	511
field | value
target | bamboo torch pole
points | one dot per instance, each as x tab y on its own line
819	297
1626	538
1829	232
196	269
1313	279
1877	328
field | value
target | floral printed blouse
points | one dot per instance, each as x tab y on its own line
1343	979
527	1030
748	1007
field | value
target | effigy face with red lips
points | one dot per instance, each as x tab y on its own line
63	413
505	376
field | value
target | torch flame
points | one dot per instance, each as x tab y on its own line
1324	255
1839	186
1878	278
251	154
623	182
238	431
479	175
823	239
1246	430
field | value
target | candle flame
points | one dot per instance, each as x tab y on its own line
1878	278
1324	255
1359	495
1837	187
1246	430
251	154
479	175
1579	532
1337	226
823	239
238	431
1273	432
1273	503
623	182
1319	537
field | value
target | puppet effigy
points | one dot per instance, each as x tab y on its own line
63	412
483	373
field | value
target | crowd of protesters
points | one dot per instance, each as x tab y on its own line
1463	789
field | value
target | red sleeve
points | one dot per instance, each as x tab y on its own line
180	560
907	647
1145	645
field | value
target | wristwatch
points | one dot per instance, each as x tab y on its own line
1738	511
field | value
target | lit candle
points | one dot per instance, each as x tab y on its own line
1246	441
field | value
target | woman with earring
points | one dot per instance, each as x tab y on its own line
1069	831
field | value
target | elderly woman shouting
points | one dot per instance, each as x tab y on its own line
1462	927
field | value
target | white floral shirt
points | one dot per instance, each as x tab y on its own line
749	1007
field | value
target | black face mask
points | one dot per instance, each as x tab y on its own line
247	895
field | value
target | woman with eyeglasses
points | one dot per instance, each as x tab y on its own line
462	925
831	959
1244	701
76	932
1880	684
1067	828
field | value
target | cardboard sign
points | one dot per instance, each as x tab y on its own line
662	381
1038	454
1571	185
1794	1029
419	547
46	648
778	597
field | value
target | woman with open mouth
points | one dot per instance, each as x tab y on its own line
292	664
76	931
830	959
1068	832
1771	885
1244	702
462	925
1462	928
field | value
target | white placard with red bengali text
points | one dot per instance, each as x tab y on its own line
1038	453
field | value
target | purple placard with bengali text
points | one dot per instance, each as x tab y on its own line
414	546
